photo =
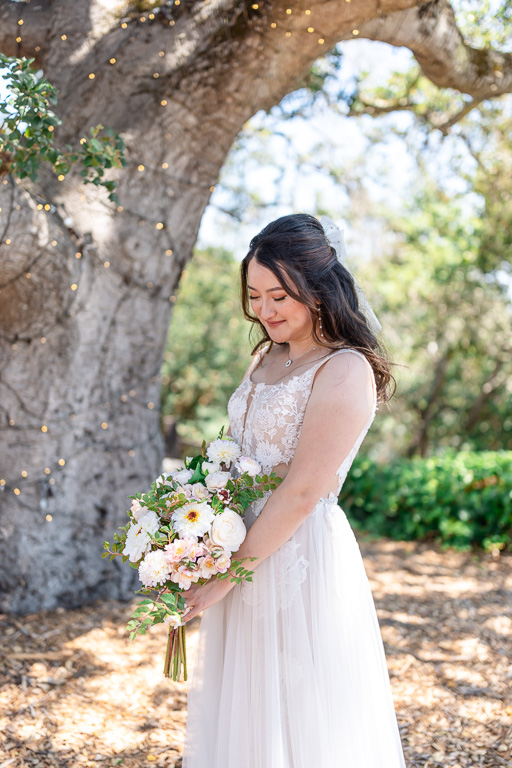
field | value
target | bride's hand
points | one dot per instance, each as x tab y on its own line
199	597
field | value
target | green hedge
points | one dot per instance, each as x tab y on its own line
459	499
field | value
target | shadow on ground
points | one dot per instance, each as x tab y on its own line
75	692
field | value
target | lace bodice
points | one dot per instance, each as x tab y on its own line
266	419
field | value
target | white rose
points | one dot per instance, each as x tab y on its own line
246	464
199	492
228	530
182	476
162	479
217	480
137	510
209	466
173	620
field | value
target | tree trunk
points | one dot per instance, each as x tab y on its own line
86	288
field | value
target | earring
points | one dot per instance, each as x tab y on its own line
321	326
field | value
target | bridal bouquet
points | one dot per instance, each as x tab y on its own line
185	530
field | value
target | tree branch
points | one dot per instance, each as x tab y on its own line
431	33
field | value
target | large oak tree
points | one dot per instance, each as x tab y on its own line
87	287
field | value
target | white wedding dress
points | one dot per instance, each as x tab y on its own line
290	670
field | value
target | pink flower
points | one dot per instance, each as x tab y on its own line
207	566
179	549
223	562
184	577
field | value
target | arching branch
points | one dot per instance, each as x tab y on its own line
430	31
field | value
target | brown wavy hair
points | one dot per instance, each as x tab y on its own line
295	249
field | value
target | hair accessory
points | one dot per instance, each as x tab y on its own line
334	236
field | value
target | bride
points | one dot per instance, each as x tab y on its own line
290	669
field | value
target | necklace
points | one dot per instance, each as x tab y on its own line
289	362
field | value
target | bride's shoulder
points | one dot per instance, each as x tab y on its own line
346	372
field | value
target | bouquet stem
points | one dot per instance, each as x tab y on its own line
176	654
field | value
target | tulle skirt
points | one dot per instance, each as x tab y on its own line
290	670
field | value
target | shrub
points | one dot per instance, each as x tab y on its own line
458	499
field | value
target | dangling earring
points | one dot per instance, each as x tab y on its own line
322	336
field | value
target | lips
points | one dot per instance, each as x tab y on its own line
274	325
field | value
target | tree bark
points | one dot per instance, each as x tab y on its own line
86	288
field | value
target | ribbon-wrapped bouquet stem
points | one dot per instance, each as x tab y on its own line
185	530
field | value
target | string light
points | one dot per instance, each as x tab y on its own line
112	60
165	166
308	13
124	25
78	255
18	39
273	25
106	264
63	37
61	177
159	225
17	491
140	168
288	11
44	428
74	286
24	473
168	252
92	76
288	34
151	16
151	406
321	40
8	241
156	75
104	425
47	207
161	53
50	128
20	22
47	470
49	518
131	453
43	339
164	102
355	31
62	462
311	29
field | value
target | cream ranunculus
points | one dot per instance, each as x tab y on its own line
217	480
246	464
182	476
209	466
228	530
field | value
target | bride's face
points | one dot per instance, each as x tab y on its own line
284	318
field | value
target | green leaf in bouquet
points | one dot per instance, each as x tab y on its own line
133	565
168	599
138	612
198	476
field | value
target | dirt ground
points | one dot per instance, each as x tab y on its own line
75	692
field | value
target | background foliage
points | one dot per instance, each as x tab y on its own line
458	499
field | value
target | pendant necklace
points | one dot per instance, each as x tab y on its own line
289	362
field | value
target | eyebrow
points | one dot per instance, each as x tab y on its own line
268	291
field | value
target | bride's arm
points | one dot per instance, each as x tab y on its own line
340	404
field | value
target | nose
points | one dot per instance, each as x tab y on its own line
267	310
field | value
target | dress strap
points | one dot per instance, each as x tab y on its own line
318	365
